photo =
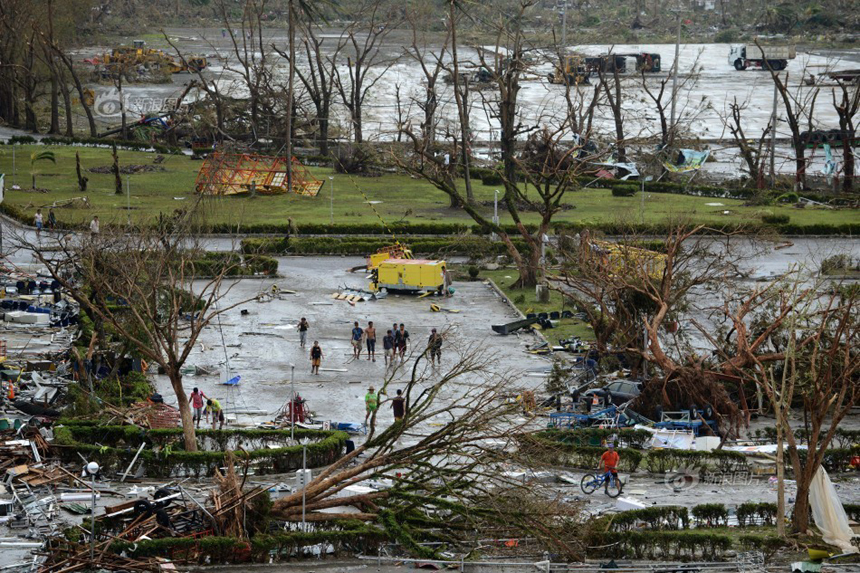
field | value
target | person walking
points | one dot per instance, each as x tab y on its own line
434	347
371	403
303	331
38	221
398	406
52	220
94	226
370	338
316	357
196	398
388	348
357	335
217	413
402	341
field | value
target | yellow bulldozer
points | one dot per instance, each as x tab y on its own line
139	55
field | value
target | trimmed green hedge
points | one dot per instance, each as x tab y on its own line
627	437
564	454
662	461
212	263
679	545
470	246
756	513
656	518
355	536
172	461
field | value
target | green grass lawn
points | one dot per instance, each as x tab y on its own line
526	300
401	197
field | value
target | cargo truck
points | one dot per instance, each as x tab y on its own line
410	275
743	56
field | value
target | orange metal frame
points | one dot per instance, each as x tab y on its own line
236	173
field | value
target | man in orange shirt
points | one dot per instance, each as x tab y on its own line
609	460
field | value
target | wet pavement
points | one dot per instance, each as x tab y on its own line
262	345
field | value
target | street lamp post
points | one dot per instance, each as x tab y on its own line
292	399
92	468
128	198
495	212
642	207
331	198
304	479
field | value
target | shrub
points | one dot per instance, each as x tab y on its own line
775	219
726	36
490	177
22	140
666	517
474	272
355	158
837	264
753	513
711	515
625	191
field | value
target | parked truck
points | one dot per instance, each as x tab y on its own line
410	275
743	56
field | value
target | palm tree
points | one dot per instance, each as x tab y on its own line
40	156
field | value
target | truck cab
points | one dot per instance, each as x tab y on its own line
737	56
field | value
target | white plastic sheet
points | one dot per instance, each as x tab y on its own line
828	513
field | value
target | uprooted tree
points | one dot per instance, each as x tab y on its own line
634	297
445	460
147	287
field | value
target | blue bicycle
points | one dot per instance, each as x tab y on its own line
612	484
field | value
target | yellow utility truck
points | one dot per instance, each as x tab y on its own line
410	275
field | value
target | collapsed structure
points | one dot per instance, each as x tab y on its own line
226	173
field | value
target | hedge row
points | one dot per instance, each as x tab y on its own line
214	549
557	453
172	461
566	447
233	264
551	447
626	437
469	246
842	438
676	517
94	142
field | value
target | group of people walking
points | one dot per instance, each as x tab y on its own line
395	343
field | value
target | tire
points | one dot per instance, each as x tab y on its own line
142	506
739	65
614	490
589	484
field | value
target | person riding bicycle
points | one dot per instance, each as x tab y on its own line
609	460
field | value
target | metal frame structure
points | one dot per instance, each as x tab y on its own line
238	173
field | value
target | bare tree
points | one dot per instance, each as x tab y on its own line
799	109
145	286
752	151
813	332
318	78
846	108
365	64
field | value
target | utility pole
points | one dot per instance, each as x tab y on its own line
773	139
675	66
